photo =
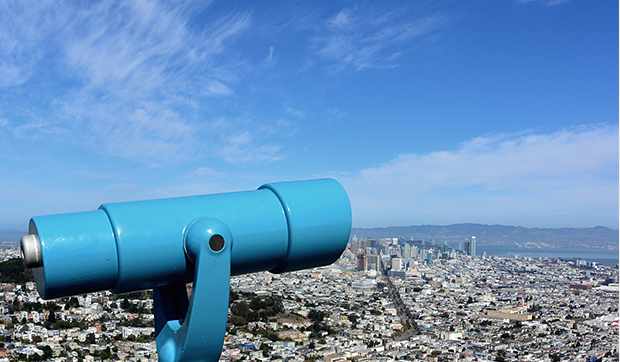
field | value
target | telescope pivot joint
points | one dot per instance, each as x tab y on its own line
194	330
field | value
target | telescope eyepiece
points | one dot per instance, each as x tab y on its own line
30	247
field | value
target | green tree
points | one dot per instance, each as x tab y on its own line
265	349
72	303
13	271
90	338
241	309
316	316
51	318
125	304
501	356
47	352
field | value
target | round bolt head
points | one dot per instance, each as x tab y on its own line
216	242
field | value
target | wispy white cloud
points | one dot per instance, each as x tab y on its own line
135	75
544	2
499	179
22	27
269	59
242	148
37	130
342	20
12	74
351	38
145	130
205	171
250	140
146	45
295	112
218	88
150	66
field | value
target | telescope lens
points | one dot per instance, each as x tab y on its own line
216	242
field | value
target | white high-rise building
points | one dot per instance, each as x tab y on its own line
373	262
407	251
422	254
397	264
470	246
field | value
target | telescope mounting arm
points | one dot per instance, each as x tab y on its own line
194	330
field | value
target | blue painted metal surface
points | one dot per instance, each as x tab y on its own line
130	246
79	249
318	214
195	331
149	235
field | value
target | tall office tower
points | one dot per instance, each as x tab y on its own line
472	246
354	244
394	250
362	262
407	251
414	251
373	262
466	246
429	258
422	254
397	264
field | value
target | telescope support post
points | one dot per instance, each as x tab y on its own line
194	330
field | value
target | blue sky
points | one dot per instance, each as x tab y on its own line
428	112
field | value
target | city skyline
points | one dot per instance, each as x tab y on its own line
428	113
384	299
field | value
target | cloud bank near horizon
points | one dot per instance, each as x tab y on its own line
504	179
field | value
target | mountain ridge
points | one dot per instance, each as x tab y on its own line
599	237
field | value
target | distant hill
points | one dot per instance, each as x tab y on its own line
598	237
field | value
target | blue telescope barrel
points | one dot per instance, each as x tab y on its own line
279	227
